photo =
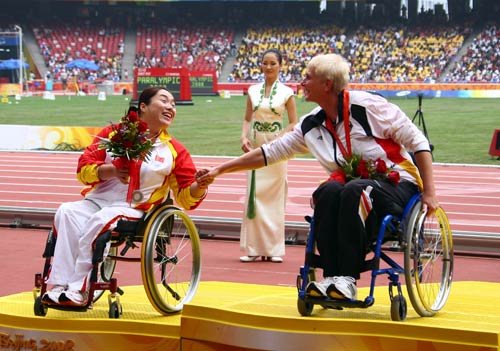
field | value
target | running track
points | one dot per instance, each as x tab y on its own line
40	181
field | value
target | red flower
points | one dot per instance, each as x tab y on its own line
128	144
355	167
362	169
133	117
393	177
129	139
116	138
380	166
142	127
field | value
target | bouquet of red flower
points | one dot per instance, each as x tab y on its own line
129	139
356	167
129	144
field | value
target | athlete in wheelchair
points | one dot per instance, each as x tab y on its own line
113	213
424	238
364	143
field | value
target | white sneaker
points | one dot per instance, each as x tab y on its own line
52	296
343	287
319	288
74	298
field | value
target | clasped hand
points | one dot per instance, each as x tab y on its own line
205	177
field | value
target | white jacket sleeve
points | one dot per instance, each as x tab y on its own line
286	147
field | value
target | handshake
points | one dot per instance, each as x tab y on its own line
204	177
248	161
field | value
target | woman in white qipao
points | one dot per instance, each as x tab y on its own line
263	226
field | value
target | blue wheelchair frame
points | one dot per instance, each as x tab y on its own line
391	228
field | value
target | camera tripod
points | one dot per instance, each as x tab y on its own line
421	120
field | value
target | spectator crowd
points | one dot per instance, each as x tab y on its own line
392	53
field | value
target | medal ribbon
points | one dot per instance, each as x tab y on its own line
347	150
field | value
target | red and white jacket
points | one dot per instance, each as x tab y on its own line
170	167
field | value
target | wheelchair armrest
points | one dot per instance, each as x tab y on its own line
100	245
127	226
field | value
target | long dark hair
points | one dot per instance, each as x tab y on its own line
145	97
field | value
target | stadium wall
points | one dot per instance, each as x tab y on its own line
429	90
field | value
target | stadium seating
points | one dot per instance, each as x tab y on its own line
377	53
199	49
61	43
298	45
481	63
397	54
388	54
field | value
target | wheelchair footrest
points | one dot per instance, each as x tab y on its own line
338	304
70	308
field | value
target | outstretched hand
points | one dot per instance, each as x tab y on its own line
203	179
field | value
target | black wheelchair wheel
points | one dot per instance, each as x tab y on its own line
170	259
115	310
305	308
398	308
39	308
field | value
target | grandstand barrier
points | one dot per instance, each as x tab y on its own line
399	90
25	137
205	83
10	89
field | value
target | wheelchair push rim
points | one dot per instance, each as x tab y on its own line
428	260
171	259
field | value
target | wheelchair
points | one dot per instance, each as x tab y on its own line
170	261
426	242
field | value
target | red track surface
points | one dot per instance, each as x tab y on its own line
470	196
22	258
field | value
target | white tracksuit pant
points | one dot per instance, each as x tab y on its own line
77	225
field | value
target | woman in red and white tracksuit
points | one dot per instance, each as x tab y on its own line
77	224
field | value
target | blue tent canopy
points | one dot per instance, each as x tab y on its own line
12	64
83	64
